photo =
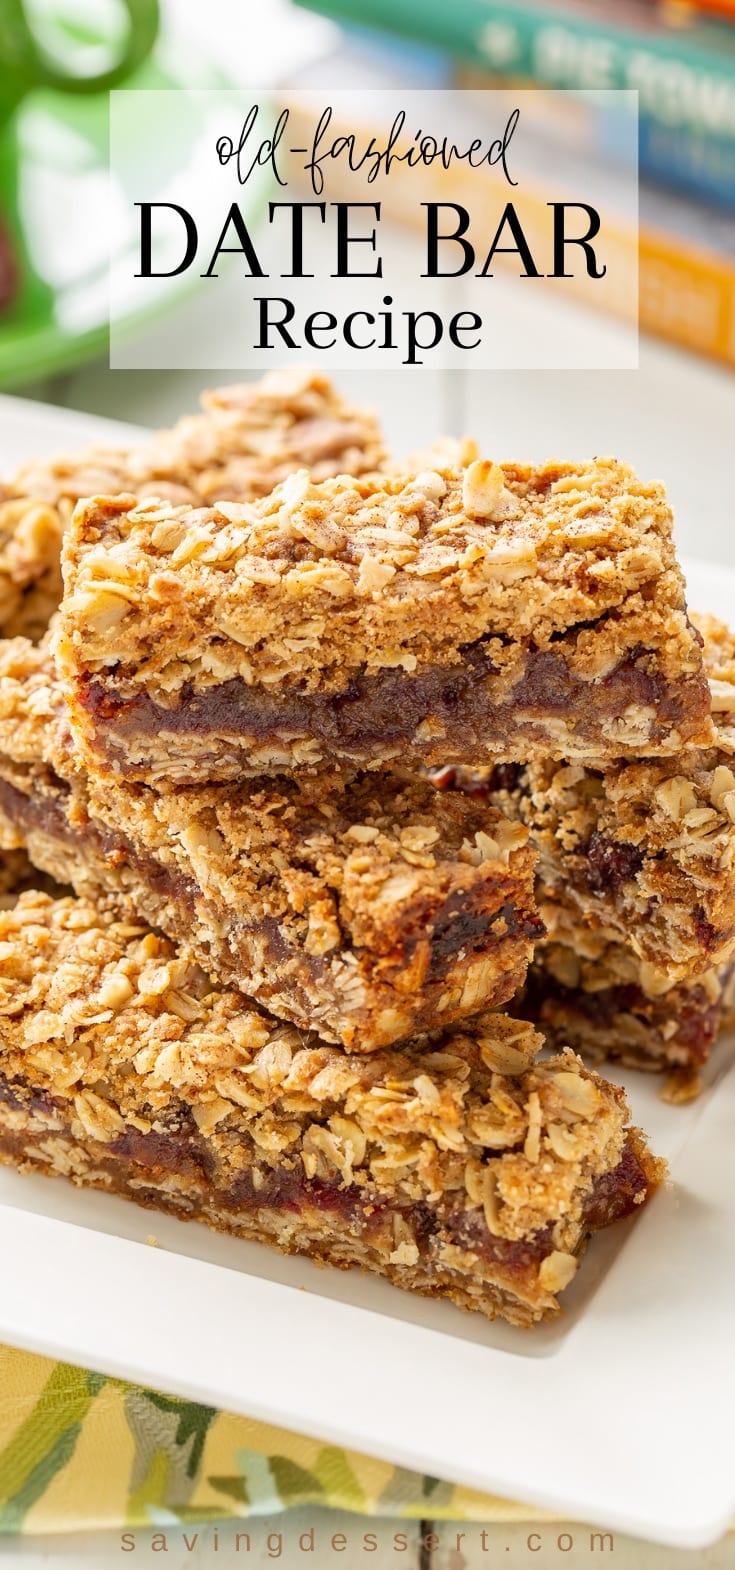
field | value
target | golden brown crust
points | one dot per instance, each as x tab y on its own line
326	621
244	441
465	1141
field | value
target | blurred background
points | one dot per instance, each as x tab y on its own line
674	417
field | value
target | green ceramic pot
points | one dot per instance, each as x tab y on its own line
25	66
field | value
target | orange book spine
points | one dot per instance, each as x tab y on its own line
687	295
722	8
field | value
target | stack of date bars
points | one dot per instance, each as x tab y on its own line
359	772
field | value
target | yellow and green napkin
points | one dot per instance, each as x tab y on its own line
80	1451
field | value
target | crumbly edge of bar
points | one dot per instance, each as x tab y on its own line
30	563
719	663
317	581
641	854
599	1008
121	1032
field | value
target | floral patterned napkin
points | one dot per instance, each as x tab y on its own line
79	1451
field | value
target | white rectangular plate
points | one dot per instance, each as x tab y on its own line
618	1414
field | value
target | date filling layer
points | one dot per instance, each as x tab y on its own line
457	706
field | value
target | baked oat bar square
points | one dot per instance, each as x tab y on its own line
459	1166
453	615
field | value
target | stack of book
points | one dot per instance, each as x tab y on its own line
680	57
